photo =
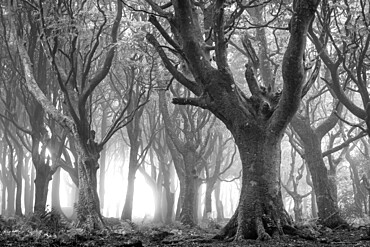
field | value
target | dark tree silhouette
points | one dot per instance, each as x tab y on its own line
257	123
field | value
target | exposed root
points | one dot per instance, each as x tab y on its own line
228	232
262	234
263	228
334	221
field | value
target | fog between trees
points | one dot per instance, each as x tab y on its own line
250	113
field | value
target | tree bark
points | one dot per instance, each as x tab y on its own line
256	125
88	206
187	216
77	89
260	213
328	211
41	187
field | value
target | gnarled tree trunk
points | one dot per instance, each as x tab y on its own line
327	205
260	213
257	122
88	206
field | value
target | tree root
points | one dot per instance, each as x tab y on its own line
261	232
334	221
264	230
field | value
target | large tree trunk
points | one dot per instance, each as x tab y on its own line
78	121
41	186
187	215
88	206
325	188
260	213
257	122
328	211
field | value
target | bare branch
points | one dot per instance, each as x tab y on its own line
221	44
344	144
101	74
192	86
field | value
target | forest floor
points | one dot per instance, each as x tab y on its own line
52	231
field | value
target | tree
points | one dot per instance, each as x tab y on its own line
311	139
294	180
342	41
257	123
136	80
75	55
359	191
165	171
190	143
213	169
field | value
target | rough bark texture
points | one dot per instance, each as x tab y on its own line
41	189
88	206
257	125
260	213
187	215
328	211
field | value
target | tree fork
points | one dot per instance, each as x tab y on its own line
260	214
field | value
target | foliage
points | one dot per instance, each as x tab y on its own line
20	232
50	222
